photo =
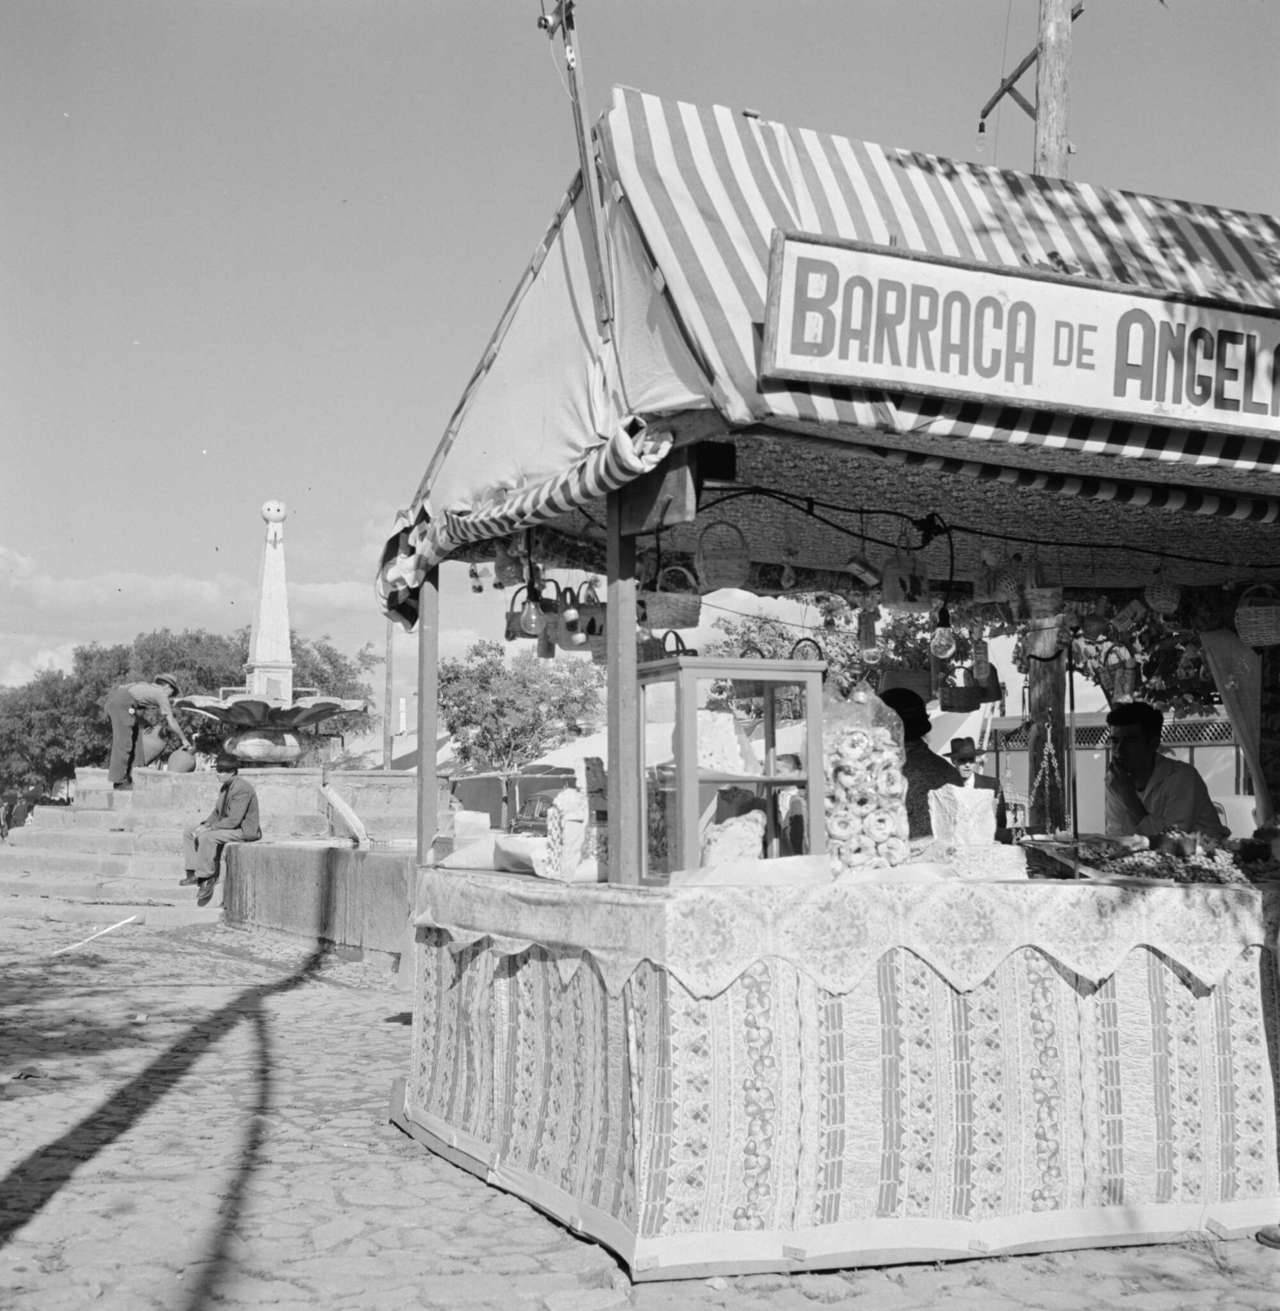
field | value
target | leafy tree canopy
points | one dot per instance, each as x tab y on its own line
504	714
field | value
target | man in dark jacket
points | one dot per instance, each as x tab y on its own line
234	818
923	768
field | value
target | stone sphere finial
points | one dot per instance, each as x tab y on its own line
274	511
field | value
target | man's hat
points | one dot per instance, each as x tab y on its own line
963	750
226	761
172	680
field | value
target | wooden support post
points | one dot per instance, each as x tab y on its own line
388	734
428	711
1052	60
626	786
1047	679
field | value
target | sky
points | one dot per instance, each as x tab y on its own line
253	249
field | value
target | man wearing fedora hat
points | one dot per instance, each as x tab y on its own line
964	755
234	818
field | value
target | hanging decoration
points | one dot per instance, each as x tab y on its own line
942	642
869	650
903	584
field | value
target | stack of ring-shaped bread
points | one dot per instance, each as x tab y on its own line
866	814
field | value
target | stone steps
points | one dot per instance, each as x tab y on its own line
32	837
120	853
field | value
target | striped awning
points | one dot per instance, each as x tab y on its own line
709	186
421	543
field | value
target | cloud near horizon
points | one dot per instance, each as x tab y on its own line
46	616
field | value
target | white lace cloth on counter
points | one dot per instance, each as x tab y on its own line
837	932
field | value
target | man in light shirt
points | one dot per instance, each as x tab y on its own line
965	757
1148	793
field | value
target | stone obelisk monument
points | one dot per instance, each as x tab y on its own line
269	672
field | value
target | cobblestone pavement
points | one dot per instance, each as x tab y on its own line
197	1117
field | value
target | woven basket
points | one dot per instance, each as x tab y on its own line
1162	597
1258	616
673	645
721	558
675	603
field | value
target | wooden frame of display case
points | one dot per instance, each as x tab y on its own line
685	673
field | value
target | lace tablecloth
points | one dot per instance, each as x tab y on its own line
835	934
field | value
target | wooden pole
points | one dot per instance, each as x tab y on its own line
387	730
626	786
1053	58
1047	679
428	712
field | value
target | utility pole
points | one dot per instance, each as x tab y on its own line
1052	61
1046	678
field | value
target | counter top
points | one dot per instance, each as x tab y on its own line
706	937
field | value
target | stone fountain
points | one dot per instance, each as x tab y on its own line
267	712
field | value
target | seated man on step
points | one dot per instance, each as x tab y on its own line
234	818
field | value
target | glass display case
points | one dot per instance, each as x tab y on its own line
731	758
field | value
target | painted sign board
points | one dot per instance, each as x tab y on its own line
848	313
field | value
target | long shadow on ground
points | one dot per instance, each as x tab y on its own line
39	1177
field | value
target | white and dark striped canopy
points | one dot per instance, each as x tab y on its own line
693	196
709	186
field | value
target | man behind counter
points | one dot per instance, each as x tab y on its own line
1148	793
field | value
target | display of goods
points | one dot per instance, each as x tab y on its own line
864	799
722	746
1218	866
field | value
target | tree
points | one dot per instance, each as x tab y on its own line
40	742
504	714
55	722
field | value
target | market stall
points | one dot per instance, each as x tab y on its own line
806	363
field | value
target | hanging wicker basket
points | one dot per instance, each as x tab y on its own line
675	602
721	558
1162	597
1258	616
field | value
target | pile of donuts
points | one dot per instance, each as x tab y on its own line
866	813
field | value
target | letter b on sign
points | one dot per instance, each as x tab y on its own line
813	321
